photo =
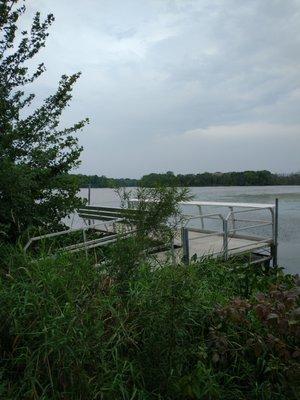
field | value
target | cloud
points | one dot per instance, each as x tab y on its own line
244	131
164	79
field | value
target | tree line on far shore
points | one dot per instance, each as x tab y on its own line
245	178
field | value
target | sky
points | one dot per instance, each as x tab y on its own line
181	85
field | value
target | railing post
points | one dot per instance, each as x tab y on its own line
84	240
173	256
185	245
89	194
225	239
275	239
232	220
89	200
202	219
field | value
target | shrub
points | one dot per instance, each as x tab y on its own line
68	332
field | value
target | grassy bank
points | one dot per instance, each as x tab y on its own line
69	330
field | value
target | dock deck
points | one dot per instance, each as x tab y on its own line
203	245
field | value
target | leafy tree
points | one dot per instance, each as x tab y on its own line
36	153
246	178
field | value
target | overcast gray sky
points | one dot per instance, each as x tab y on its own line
181	85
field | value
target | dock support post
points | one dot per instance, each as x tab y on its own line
89	194
84	240
275	239
225	239
185	245
89	200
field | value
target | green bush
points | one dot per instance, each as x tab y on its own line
69	332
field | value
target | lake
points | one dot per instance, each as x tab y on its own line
289	211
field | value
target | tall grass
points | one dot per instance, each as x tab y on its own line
70	330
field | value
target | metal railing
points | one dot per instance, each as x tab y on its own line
229	229
85	244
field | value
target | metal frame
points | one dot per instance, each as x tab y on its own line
68	231
227	233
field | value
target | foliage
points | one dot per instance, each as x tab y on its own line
103	182
158	214
68	332
245	178
36	154
257	340
158	209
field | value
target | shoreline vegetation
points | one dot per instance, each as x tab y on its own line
245	178
212	330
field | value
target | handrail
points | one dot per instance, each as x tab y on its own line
204	216
226	204
216	204
67	231
248	210
207	235
250	220
99	241
266	240
231	218
249	227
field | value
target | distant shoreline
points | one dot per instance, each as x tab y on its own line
206	179
206	186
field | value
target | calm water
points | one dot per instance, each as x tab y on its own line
289	211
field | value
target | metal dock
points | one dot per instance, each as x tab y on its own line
206	229
238	228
